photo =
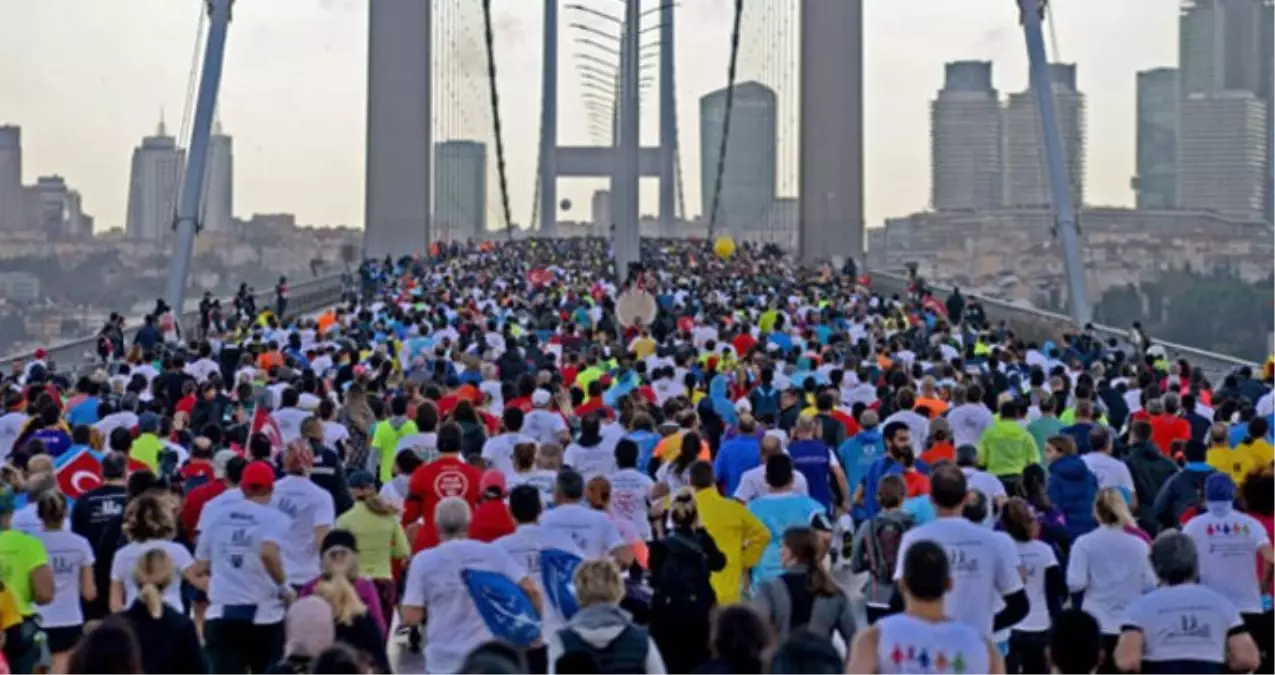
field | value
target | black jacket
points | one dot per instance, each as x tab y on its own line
1150	470
329	474
170	643
1182	491
364	635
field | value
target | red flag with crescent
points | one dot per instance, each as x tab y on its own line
263	423
81	472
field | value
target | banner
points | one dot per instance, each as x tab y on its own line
263	423
80	472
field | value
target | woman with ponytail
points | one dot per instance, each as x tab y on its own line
357	623
804	584
379	539
170	640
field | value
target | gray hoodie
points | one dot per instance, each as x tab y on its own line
599	625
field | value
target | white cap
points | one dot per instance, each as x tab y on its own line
540	398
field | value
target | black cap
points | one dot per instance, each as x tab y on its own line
342	538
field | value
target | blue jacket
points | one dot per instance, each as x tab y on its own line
1072	488
736	456
857	454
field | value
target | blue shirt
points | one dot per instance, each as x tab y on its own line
736	456
813	459
646	442
84	413
882	467
778	513
857	454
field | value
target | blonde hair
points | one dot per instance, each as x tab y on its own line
153	573
51	508
598	582
340	568
1109	508
151	515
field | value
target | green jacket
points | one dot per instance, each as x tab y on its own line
1006	448
385	440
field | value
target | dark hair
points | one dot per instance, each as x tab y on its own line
569	484
494	657
926	570
778	470
805	652
111	648
1017	519
524	504
338	659
702	475
1033	487
1075	642
893	429
976	507
512	419
803	544
1258	491
740	638
947	486
891	491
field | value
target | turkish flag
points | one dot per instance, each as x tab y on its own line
263	423
78	474
540	277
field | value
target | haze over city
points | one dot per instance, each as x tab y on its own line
293	94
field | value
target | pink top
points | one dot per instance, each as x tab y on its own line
367	593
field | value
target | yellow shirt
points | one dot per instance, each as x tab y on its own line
1262	453
1233	462
643	347
20	554
9	614
739	535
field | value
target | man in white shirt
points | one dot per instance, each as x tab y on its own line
976	479
436	593
591	530
289	416
918	425
984	566
543	424
498	451
752	483
969	419
1111	472
11	422
310	508
595	459
527	543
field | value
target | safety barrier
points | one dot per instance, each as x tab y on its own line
304	297
1039	325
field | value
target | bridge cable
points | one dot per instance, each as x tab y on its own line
730	103
495	111
188	107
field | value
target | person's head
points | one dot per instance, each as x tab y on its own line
308	628
1110	508
257	482
1059	446
153	573
568	487
150	517
298	458
110	649
1100	439
598	582
806	653
340	564
598	493
682	511
524	504
967	455
494	657
740	638
340	659
898	440
1175	558
1018	521
891	491
801	548
926	573
976	507
771	446
779	472
1075	642
51	509
1258	492
626	454
452	517
948	488
702	477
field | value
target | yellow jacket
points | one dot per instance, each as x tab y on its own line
739	535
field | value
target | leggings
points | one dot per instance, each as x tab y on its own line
242	646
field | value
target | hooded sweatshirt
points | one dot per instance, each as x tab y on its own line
1072	488
386	441
609	630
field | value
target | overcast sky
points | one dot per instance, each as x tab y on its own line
87	79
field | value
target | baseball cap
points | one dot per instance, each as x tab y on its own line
967	454
258	475
148	422
361	479
339	538
221	460
1219	487
540	398
492	478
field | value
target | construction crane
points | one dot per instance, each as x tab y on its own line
1032	16
187	223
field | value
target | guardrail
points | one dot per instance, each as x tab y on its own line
307	296
1039	325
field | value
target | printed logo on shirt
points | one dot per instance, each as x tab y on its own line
1189	626
961	562
1227	529
451	484
920	660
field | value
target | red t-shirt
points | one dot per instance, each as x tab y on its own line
491	521
194	503
847	420
594	405
743	343
522	403
447	476
1168	428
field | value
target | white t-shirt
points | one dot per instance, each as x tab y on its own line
918	428
524	546
1113	568
289	421
968	422
1226	546
591	530
498	451
752	484
425	444
1188	622
991	487
1034	558
675	481
307	506
230	497
334	433
202	369
1111	472
231	543
453	626
984	568
544	426
114	421
27	519
10	427
630	492
541	479
125	563
907	644
597	460
69	553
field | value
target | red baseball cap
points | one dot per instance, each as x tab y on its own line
492	478
258	475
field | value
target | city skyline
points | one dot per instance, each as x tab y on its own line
322	155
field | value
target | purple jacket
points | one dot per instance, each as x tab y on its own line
367	593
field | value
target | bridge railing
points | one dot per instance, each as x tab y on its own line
304	297
1039	325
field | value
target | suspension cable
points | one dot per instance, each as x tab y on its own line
495	113
730	103
188	106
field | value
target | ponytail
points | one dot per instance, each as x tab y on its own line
337	590
153	573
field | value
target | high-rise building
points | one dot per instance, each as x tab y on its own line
1026	175
12	204
56	210
154	186
217	213
965	140
1156	182
748	178
1222	153
600	211
460	190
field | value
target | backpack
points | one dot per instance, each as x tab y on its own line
765	402
624	654
883	540
683	587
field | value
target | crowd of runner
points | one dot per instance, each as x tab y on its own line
501	459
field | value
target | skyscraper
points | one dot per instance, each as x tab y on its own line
1222	153
13	208
153	186
218	208
748	179
1156	182
57	210
965	140
1026	178
460	190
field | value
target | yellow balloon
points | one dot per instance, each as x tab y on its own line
724	247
